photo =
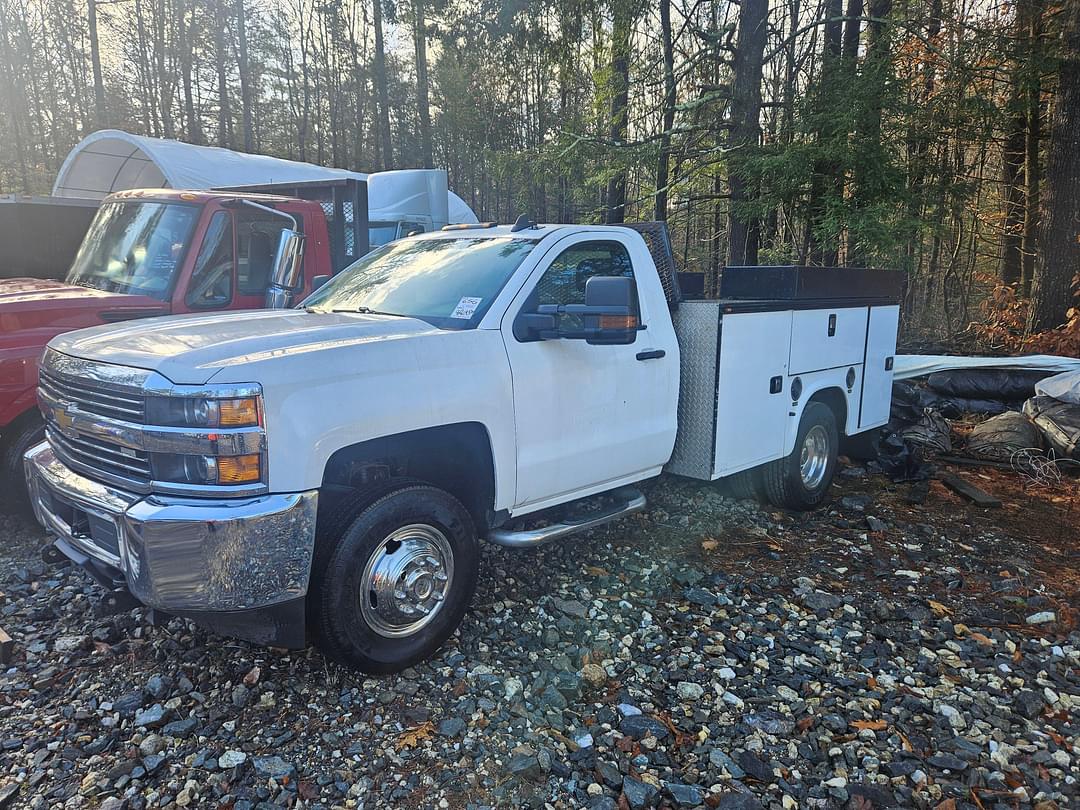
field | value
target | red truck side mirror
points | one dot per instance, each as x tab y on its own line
285	273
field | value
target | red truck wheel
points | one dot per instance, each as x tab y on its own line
397	581
23	436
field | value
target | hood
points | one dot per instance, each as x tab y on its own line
28	303
191	349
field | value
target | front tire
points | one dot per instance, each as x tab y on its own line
23	436
802	479
397	581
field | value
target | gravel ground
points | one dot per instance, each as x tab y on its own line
895	648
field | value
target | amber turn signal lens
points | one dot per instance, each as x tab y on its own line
618	321
238	469
239	412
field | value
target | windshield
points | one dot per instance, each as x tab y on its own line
449	283
380	233
134	246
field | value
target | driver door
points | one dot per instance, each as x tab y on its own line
590	417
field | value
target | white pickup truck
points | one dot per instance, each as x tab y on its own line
333	467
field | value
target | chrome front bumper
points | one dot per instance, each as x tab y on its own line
182	555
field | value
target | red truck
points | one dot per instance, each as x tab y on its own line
161	252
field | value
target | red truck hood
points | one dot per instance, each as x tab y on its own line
56	306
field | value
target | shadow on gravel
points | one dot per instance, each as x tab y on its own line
897	647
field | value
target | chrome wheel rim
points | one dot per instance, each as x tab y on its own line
814	457
406	580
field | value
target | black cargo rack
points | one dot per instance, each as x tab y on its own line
344	201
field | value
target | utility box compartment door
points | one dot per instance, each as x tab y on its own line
827	338
878	371
752	398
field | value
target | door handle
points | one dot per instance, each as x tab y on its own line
651	354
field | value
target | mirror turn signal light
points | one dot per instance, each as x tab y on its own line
238	469
618	321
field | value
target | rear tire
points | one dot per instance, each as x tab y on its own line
397	581
16	497
801	480
747	485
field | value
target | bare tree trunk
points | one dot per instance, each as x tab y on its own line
422	103
386	144
8	68
744	231
663	165
184	40
620	99
1051	291
100	117
224	136
244	68
1032	137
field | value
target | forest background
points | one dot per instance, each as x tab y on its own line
939	137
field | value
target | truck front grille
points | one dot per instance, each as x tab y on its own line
93	397
90	454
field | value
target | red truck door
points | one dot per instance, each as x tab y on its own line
234	261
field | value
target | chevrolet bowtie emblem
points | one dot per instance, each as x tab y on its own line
63	418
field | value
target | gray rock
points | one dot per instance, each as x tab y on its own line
947	761
688	690
525	766
274	768
639	794
571	607
452	727
230	759
683	795
721	761
819	600
642	725
180	728
153	717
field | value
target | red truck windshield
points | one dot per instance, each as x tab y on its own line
134	246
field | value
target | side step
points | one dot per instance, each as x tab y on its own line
629	500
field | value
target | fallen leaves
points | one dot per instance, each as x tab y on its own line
411	737
872	725
939	609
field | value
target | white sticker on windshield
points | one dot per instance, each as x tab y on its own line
466	307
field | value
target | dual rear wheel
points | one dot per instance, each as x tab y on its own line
801	479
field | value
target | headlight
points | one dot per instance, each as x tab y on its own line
203	412
206	470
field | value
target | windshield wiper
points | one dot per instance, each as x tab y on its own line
358	311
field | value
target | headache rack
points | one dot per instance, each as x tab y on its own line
658	241
344	202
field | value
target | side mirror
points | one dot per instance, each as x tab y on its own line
285	272
607	318
318	281
612	305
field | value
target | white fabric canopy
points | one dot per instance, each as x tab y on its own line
112	160
906	366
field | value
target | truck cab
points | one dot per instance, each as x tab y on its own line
149	253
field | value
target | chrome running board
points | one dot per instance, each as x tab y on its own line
630	501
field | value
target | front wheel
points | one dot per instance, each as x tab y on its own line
397	581
801	479
13	492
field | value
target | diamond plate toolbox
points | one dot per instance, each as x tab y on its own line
697	327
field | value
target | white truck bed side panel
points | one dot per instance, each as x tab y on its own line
827	338
877	379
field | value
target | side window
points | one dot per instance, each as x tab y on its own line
564	281
257	238
212	279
